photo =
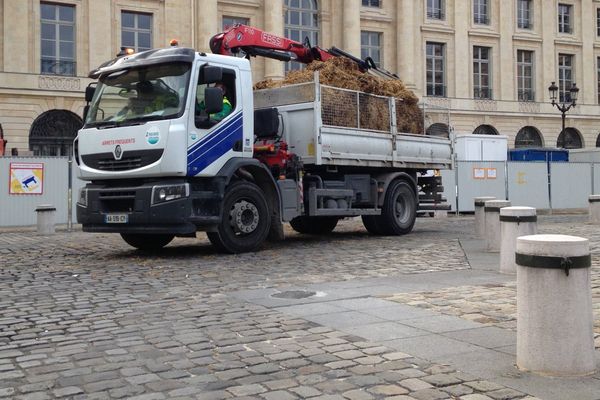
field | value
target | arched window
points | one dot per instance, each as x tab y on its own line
485	130
53	132
529	137
570	138
439	130
301	21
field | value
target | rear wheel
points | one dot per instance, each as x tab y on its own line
314	225
399	210
147	242
245	221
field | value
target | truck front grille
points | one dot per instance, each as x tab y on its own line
130	160
117	200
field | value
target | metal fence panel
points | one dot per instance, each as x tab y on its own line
19	209
528	184
449	183
480	178
571	184
596	178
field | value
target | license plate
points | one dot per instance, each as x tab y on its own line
116	218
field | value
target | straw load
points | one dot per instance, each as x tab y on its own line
339	107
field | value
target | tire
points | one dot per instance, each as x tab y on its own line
399	210
314	225
371	224
245	221
147	242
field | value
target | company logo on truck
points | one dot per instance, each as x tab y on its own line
153	136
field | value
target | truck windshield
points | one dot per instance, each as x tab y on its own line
132	96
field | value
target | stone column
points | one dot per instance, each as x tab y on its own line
594	208
352	27
492	223
207	23
462	80
274	69
505	75
406	60
17	25
480	214
514	222
555	334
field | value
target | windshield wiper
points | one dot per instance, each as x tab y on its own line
128	122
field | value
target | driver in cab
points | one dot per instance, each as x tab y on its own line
227	108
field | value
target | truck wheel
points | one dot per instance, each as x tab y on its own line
399	210
314	225
245	221
147	242
371	224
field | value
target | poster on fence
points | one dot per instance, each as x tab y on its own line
26	178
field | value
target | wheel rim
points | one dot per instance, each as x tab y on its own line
244	217
402	210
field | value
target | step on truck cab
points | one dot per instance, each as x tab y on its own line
162	160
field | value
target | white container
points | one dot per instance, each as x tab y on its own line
481	147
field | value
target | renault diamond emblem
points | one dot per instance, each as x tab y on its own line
118	152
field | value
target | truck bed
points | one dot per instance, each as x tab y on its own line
331	126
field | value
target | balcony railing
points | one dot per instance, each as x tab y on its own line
481	19
436	90
482	93
436	14
526	95
59	67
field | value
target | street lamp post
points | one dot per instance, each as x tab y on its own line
563	106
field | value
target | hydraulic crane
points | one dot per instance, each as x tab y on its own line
255	42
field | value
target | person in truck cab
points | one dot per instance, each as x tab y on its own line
227	108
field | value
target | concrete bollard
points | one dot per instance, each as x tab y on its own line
514	222
555	334
480	215
594	208
45	219
492	223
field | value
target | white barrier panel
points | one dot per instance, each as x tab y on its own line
528	184
480	178
571	184
27	182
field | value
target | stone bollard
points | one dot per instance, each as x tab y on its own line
514	222
492	223
480	215
555	334
594	208
45	219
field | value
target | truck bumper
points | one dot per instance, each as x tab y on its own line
129	210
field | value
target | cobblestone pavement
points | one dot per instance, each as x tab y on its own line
83	316
497	305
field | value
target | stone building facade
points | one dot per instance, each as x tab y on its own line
487	62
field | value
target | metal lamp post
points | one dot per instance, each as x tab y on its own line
563	106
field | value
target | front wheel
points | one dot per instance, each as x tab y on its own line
244	225
147	242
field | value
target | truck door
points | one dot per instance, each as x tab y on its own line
215	138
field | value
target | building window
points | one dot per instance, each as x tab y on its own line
58	39
565	77
301	21
564	18
481	73
570	138
53	132
370	46
371	3
485	130
528	137
435	9
136	30
481	12
525	75
597	21
230	22
435	55
598	76
524	14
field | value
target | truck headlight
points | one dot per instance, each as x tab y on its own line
82	199
162	194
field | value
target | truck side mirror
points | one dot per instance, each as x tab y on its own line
213	100
89	92
211	74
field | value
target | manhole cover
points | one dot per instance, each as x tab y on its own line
294	294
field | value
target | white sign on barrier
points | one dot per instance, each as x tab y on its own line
26	178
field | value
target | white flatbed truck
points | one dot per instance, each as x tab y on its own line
159	166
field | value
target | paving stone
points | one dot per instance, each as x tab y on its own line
440	380
505	394
357	394
484	386
414	384
388	390
67	391
245	390
429	394
457	390
279	395
305	391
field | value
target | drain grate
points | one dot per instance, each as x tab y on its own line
294	294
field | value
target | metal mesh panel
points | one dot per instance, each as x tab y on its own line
374	112
339	107
292	94
408	119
